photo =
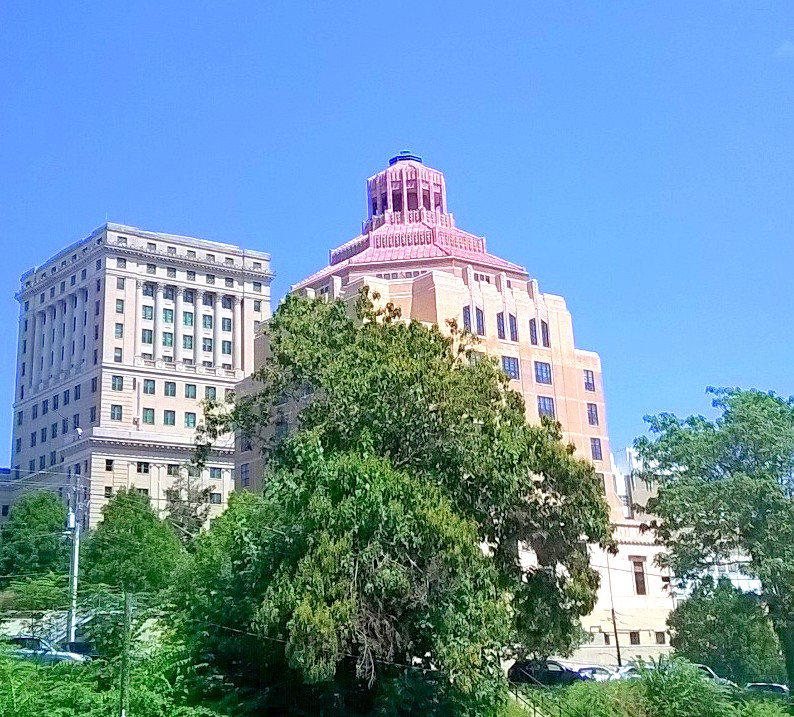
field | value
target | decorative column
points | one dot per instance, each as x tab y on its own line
178	324
35	348
158	321
59	320
198	326
80	328
49	329
67	343
217	357
237	341
136	319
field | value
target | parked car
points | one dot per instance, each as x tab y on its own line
711	675
626	672
632	671
40	650
542	672
598	673
767	688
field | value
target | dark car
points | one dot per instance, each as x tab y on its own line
542	672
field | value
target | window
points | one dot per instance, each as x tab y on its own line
467	318
147	416
595	449
589	380
510	366
210	393
119	306
170	388
226	347
187	318
210	278
77	392
143	467
592	414
245	474
257	305
45	406
169	293
151	268
246	443
480	320
169	418
543	372
208	300
148	289
173	469
18	445
215	498
634	637
168	316
190	419
92	414
142	491
147	336
211	258
168	338
116	412
108	464
148	386
64	425
546	406
544	334
170	272
42	462
44	434
94	384
33	437
121	263
190	390
108	491
216	473
228	394
206	321
638	568
53	458
34	411
20	416
4	510
117	355
206	344
229	283
117	383
187	342
500	325
226	302
54	430
191	275
661	637
226	324
120	282
118	331
513	327
147	312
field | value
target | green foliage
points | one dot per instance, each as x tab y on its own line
728	630
132	549
725	487
188	507
682	691
48	592
362	560
32	540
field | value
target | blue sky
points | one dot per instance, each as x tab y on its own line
635	157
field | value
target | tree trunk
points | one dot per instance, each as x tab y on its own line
785	633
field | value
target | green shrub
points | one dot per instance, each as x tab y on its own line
679	689
762	708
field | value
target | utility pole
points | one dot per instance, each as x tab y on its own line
124	687
73	525
614	619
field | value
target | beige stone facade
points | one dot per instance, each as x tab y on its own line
122	335
411	252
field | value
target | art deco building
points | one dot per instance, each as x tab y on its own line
413	254
122	335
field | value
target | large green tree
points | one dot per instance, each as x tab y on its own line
32	541
725	487
727	629
132	549
401	410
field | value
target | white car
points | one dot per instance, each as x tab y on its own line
767	688
598	673
40	650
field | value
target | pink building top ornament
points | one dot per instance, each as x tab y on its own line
408	220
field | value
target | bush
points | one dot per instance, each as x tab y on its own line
680	690
762	708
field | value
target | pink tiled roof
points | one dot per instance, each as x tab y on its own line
408	242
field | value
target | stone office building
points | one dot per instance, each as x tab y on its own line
121	337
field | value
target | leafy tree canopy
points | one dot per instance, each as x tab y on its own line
188	507
404	449
725	489
132	548
727	629
32	541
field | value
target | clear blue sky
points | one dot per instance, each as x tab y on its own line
635	157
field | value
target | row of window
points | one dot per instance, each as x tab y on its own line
147	416
190	253
147	337
509	327
546	408
543	374
170	272
169	388
207	320
172	469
